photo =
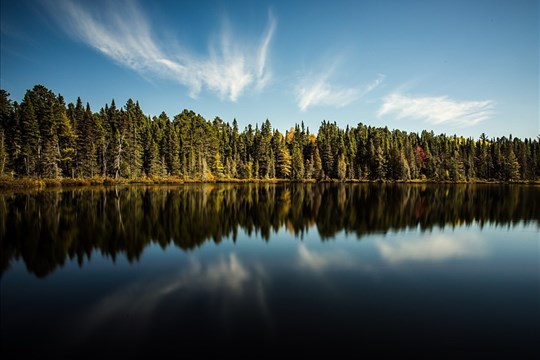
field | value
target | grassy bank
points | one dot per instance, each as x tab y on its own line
36	183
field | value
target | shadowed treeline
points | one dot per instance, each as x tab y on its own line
44	229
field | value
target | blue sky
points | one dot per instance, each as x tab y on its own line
465	67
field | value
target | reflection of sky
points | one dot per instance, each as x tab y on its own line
472	249
225	282
392	249
253	279
319	260
432	247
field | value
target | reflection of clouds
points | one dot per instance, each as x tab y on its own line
437	247
231	274
318	260
226	283
227	274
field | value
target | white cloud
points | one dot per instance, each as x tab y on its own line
263	74
318	91
437	110
438	247
373	85
124	34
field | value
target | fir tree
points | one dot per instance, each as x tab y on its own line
30	137
297	163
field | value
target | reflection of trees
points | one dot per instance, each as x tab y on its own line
46	228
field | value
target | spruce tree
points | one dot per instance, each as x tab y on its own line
284	163
318	172
86	146
297	163
6	118
341	166
30	137
510	165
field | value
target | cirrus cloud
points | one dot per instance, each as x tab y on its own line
229	69
437	109
318	91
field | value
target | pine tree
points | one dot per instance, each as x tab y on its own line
284	163
297	163
272	165
172	154
405	167
86	147
134	143
456	167
308	168
341	167
30	137
51	157
380	163
66	139
317	165
219	169
511	165
155	167
6	118
3	151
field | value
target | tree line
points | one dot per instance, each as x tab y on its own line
43	137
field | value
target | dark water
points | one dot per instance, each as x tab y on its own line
438	271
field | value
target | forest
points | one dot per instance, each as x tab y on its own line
42	137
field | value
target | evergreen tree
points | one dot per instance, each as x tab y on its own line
510	165
134	143
66	139
51	157
30	137
272	165
341	167
3	152
6	116
297	163
172	152
317	165
219	169
380	164
86	146
284	163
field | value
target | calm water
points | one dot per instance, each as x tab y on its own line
369	269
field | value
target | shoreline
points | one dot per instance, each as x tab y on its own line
39	183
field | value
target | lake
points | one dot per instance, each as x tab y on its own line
271	269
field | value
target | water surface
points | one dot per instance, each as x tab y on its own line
436	270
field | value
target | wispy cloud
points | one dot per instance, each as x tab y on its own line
263	74
373	85
318	91
437	110
126	36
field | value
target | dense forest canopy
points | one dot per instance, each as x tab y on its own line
43	137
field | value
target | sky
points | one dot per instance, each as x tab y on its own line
462	67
